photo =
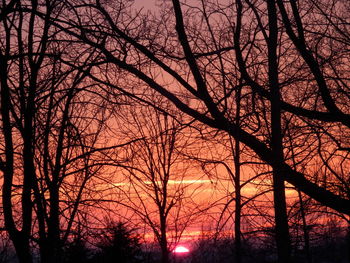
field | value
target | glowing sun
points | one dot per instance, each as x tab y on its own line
181	249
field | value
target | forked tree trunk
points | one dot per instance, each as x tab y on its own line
20	239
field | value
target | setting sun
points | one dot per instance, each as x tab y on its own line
181	249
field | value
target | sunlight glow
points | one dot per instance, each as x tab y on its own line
170	182
181	249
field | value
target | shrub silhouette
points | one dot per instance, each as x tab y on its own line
119	244
76	251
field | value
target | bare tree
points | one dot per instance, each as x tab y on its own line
289	58
18	126
51	126
160	184
281	42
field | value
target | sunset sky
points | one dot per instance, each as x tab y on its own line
220	126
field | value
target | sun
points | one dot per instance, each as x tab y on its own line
181	249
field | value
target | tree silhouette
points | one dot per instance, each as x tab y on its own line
118	244
273	46
65	64
156	187
50	132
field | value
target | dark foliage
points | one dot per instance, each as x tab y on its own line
118	244
76	251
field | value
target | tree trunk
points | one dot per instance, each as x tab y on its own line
163	240
238	243
237	182
20	239
281	220
21	244
305	230
51	251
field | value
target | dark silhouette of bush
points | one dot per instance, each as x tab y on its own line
119	244
76	251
